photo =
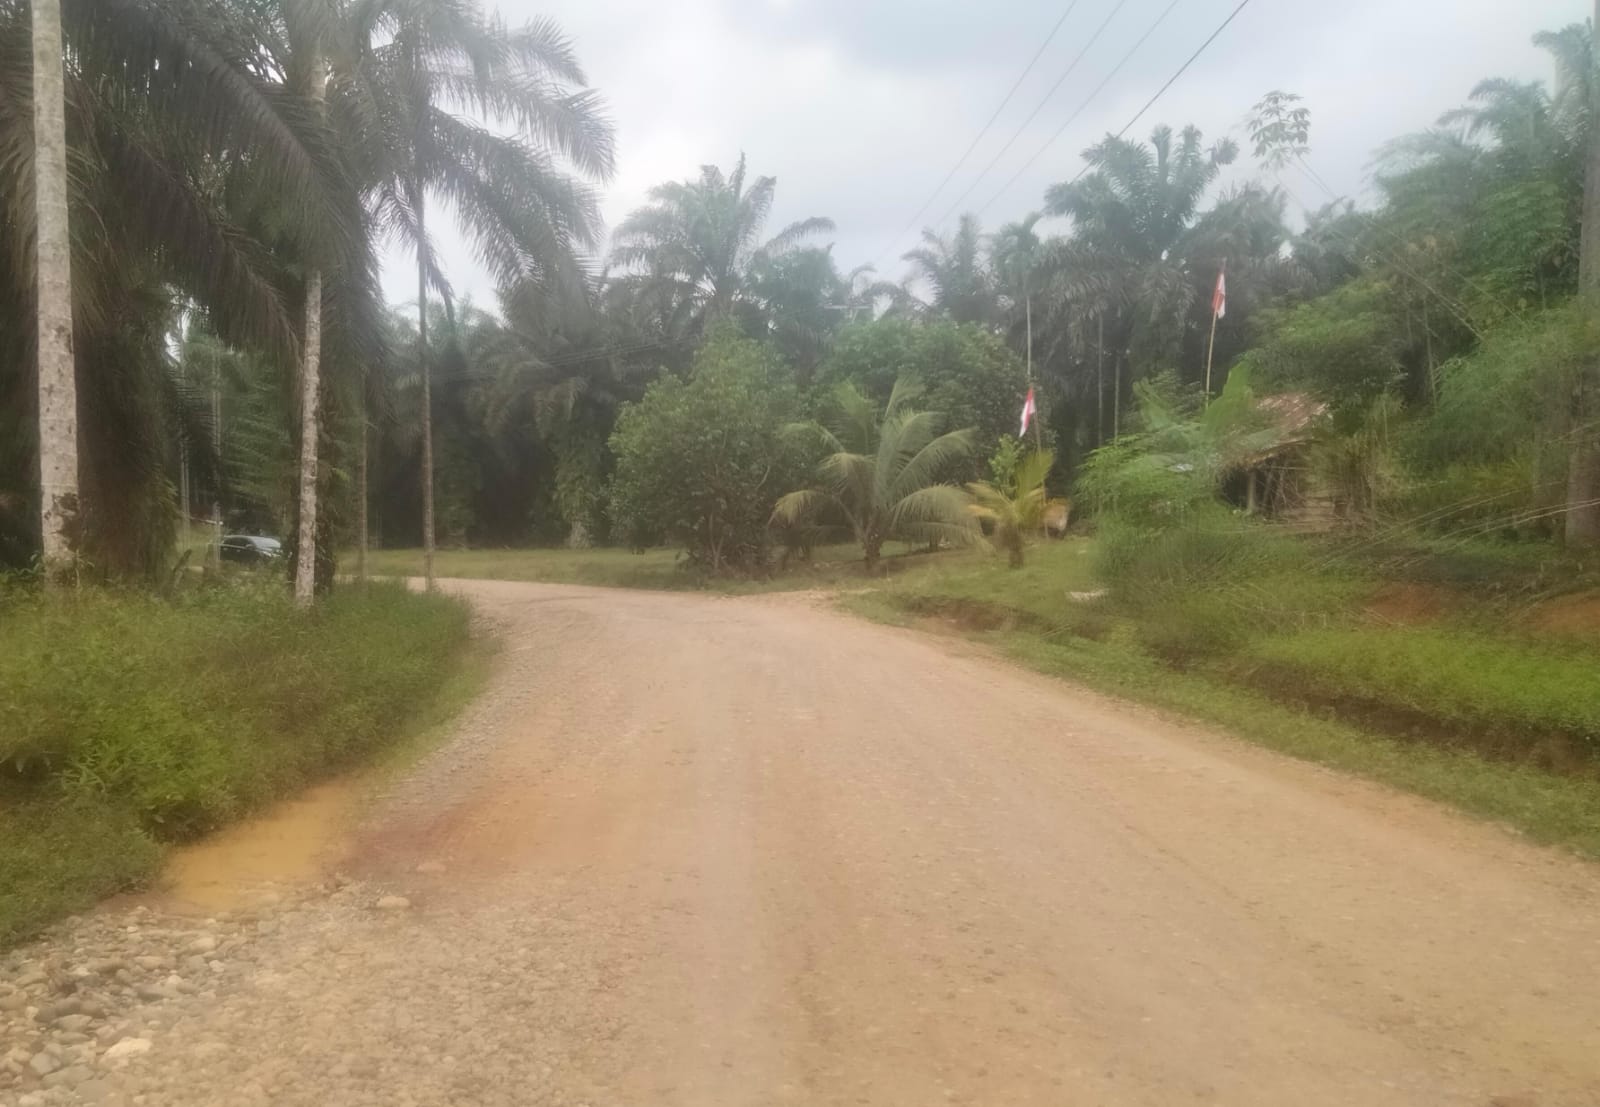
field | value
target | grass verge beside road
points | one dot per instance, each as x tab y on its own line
128	721
1034	617
659	568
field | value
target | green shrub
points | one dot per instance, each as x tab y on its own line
701	461
1204	585
188	711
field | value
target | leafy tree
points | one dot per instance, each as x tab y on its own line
1016	509
700	461
880	478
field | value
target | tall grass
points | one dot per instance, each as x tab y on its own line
157	719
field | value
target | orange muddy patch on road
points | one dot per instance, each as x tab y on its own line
297	841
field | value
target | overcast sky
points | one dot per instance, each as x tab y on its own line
861	107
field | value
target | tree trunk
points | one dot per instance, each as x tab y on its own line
1583	463
1116	399
305	555
427	393
1100	379
1014	548
872	547
361	494
58	385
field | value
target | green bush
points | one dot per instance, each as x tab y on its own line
127	720
187	711
701	461
1206	584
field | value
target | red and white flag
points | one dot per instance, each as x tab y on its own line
1219	298
1028	412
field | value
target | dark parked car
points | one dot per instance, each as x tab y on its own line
250	549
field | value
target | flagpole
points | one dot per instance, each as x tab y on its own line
1038	435
1211	346
1216	308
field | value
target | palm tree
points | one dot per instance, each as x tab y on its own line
954	271
697	250
1015	252
412	62
58	390
181	142
880	478
1018	508
1134	209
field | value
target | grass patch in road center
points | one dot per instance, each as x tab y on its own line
128	720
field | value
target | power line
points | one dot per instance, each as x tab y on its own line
984	172
1080	109
962	160
580	355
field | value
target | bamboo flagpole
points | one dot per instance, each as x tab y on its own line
1219	308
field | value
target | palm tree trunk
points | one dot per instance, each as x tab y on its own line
58	386
1116	399
305	557
1583	462
1099	379
361	494
427	392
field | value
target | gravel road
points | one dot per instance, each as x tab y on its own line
693	852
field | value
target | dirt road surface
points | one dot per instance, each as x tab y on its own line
699	851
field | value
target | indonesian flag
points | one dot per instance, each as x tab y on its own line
1029	410
1219	298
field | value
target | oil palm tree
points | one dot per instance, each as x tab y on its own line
1133	210
880	478
1015	253
413	65
697	246
164	107
954	271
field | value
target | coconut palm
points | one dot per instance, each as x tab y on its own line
880	479
696	249
1017	508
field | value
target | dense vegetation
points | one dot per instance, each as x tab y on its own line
1436	334
1392	392
130	720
